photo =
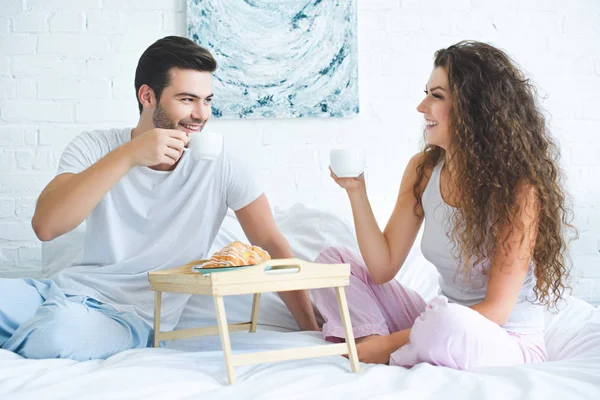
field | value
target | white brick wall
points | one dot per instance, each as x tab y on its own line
68	65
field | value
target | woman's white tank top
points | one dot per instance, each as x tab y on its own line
438	248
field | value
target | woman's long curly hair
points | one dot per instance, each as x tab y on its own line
499	140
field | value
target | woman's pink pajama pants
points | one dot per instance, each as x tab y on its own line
443	333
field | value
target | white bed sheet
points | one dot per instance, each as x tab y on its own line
194	368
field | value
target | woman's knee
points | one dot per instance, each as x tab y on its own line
444	334
332	255
343	255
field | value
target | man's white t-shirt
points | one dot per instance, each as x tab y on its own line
150	220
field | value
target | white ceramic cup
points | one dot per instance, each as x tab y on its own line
347	163
206	145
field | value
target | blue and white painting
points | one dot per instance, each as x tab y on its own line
280	58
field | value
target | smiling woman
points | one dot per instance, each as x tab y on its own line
498	151
486	189
436	108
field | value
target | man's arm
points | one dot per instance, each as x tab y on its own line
259	226
69	198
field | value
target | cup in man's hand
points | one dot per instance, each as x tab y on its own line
206	145
347	163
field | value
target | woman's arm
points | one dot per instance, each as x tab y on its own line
505	279
510	266
385	252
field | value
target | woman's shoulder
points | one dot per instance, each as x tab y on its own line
419	169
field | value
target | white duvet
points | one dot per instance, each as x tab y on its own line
194	368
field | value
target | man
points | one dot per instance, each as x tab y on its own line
148	205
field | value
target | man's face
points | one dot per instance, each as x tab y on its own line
185	103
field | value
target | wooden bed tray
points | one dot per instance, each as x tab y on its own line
270	276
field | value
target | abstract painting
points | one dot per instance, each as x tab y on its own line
280	58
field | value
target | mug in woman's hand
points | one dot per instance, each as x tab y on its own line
347	163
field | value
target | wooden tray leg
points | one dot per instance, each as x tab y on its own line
157	305
345	315
224	333
254	315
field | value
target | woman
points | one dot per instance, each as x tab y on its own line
486	187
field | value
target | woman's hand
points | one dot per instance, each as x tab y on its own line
350	184
374	349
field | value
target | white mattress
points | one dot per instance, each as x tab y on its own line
194	368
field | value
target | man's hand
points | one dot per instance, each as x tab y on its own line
259	226
69	198
157	146
374	349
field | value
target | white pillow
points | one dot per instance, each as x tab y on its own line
574	332
310	230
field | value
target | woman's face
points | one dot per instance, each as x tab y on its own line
435	107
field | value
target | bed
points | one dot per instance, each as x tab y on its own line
194	368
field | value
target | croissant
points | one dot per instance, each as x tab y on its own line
236	254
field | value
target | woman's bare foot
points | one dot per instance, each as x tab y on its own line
360	339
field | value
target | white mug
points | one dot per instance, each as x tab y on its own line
347	163
205	145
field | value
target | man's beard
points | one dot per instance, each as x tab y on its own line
161	119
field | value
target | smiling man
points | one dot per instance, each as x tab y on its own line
148	205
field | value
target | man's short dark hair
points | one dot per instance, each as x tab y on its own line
166	53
